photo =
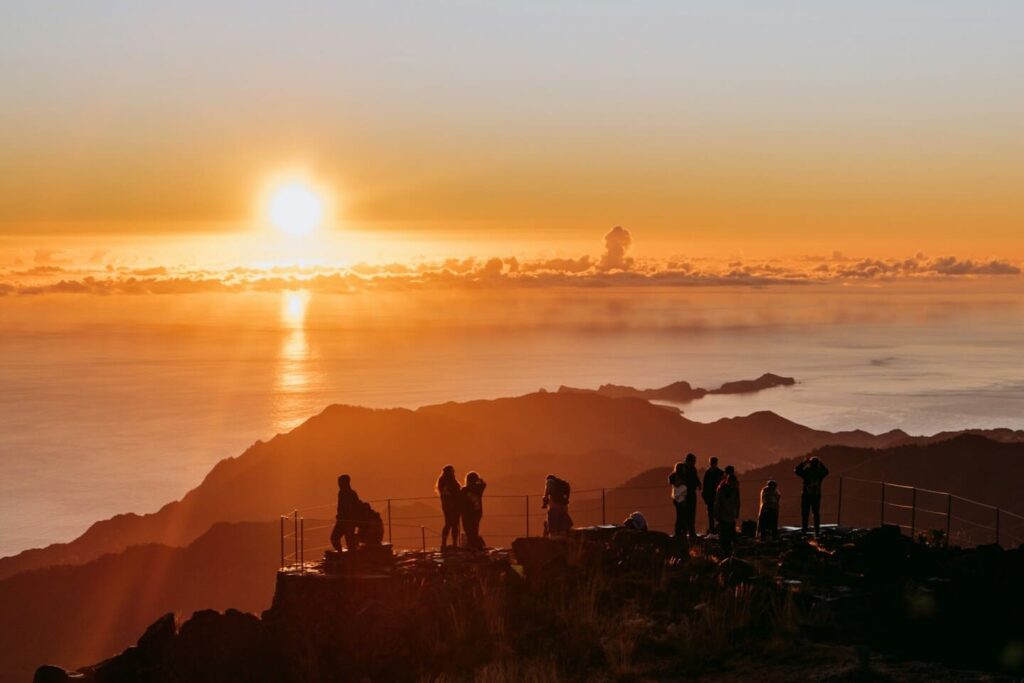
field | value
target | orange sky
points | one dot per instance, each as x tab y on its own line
879	130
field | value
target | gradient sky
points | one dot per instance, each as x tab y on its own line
882	127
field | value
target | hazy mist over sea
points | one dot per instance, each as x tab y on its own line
125	402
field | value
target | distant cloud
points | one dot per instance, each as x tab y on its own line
614	267
616	245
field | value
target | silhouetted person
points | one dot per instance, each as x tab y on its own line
451	504
768	514
473	509
813	472
350	510
556	500
686	473
727	510
712	478
677	480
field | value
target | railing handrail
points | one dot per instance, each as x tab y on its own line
298	531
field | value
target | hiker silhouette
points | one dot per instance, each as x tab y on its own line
768	514
556	501
712	478
727	509
451	504
473	509
685	485
350	511
813	472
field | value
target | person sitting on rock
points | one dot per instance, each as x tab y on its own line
370	527
727	510
350	509
813	472
768	515
473	509
556	500
451	504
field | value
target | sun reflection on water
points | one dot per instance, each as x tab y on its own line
293	378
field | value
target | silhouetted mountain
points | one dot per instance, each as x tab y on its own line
512	442
81	614
684	392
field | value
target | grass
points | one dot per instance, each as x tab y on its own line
600	625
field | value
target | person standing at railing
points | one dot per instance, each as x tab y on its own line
813	472
473	509
451	504
768	514
727	510
712	478
556	501
350	509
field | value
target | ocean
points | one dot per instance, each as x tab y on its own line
122	403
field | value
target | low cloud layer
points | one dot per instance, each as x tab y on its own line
614	267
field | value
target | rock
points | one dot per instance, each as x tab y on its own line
233	646
54	674
156	641
733	571
541	558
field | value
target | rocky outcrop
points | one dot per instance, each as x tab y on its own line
684	392
600	600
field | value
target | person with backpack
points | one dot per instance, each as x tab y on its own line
556	501
451	504
350	510
813	472
473	509
768	514
712	478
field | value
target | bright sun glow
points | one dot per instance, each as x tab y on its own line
295	208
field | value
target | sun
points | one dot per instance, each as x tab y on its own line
295	208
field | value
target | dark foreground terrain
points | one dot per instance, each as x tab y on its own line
610	604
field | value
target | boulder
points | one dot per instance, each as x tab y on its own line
541	558
733	571
54	674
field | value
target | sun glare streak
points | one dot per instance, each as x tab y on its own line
293	379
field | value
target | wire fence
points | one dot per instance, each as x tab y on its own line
414	522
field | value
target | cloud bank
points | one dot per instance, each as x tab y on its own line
613	267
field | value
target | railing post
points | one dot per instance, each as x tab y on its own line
949	515
527	500
302	545
423	537
390	541
282	541
913	511
604	518
997	526
295	529
883	503
839	505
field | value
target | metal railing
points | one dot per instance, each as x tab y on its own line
846	501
